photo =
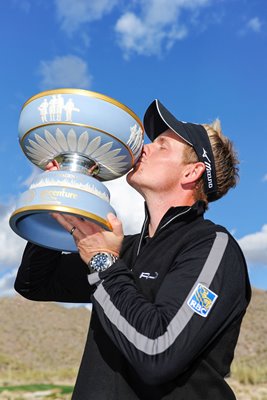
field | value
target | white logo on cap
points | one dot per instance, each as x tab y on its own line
205	155
208	169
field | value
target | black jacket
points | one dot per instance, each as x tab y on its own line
166	316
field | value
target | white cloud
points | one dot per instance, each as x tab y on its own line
254	24
254	246
85	39
128	204
7	283
64	71
35	172
265	178
158	27
72	13
11	245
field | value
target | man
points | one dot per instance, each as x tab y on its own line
168	302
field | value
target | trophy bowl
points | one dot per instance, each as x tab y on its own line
93	138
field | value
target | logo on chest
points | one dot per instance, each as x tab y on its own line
202	300
149	275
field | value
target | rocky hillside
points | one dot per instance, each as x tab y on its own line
39	341
43	342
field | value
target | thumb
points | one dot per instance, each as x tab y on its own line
115	224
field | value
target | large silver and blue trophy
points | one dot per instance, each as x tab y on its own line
93	138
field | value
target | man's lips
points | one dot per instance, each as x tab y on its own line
141	160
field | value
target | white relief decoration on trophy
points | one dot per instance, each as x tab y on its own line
61	140
52	110
135	141
43	143
72	140
41	149
52	141
102	150
43	108
83	142
93	145
70	107
73	184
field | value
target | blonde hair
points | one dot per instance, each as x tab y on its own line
226	162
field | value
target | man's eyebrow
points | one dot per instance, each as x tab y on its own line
161	139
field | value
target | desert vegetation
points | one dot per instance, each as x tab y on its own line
41	346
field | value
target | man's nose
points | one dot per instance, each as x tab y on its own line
146	148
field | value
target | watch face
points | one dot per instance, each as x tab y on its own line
100	262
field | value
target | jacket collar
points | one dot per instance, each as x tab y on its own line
184	212
179	213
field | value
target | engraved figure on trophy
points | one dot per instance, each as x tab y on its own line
43	108
70	107
59	107
94	140
52	108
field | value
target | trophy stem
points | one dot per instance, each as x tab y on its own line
76	162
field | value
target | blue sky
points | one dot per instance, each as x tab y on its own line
202	58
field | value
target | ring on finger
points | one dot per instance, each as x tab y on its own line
72	230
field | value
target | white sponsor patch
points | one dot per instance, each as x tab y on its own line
202	300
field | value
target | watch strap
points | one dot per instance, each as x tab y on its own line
101	261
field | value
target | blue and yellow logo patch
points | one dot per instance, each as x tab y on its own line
202	300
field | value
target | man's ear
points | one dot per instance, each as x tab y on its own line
192	172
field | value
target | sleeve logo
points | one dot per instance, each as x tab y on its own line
202	300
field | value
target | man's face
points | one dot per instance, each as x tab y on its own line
160	165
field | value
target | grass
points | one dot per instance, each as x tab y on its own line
249	374
37	387
16	374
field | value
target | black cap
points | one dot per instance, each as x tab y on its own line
158	119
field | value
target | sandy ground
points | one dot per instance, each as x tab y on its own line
243	392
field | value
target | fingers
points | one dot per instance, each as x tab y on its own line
92	169
72	220
91	238
65	222
60	218
85	227
116	224
52	166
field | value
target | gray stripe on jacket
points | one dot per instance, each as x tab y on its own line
183	315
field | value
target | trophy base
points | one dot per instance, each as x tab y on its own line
53	192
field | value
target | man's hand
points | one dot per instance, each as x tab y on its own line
91	238
52	166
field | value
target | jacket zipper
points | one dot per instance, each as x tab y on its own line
163	226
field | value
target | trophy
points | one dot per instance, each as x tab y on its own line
93	138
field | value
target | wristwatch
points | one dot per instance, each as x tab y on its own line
101	261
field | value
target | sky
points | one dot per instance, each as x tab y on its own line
203	59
